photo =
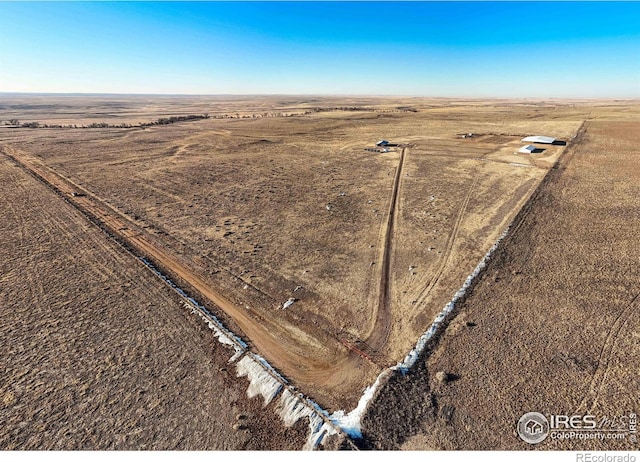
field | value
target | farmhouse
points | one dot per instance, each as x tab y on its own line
539	139
528	149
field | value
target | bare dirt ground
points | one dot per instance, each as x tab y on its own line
97	354
552	325
275	204
275	198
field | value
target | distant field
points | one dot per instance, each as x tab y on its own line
272	199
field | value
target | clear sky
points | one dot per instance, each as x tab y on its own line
477	49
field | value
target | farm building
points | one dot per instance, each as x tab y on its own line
539	139
528	149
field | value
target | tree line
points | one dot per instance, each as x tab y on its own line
190	117
160	121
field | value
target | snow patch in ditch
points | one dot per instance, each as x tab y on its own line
264	380
261	381
294	407
409	361
224	336
318	429
351	423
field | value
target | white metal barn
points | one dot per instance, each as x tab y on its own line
539	139
527	149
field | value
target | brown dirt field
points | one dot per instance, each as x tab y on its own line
274	198
97	353
552	324
283	342
259	207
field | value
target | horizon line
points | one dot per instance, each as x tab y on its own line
342	95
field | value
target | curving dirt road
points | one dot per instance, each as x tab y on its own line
322	365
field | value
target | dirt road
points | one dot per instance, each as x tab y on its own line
551	325
317	363
379	333
98	354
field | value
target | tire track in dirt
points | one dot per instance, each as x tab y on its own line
598	380
316	362
9	209
17	211
51	232
379	334
449	246
172	239
560	164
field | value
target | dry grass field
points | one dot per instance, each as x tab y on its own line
552	325
270	199
96	354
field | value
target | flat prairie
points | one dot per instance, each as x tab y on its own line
260	201
96	354
551	326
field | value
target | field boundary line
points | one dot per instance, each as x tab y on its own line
321	424
125	218
427	342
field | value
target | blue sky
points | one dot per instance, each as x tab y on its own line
476	49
